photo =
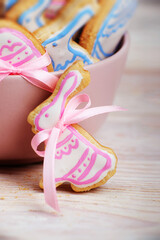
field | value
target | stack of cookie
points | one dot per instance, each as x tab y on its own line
70	30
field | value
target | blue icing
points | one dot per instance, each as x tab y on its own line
77	54
104	54
26	14
10	3
120	16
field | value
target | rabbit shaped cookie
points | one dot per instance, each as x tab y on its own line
79	158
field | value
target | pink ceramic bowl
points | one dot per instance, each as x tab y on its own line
18	98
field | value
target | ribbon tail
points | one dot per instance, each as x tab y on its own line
48	170
41	79
80	115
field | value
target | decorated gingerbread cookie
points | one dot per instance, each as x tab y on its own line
22	54
71	154
103	32
57	36
17	45
29	14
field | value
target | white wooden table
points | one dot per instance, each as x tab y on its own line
128	206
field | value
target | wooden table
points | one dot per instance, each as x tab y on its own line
128	206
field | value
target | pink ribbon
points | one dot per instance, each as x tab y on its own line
33	71
71	115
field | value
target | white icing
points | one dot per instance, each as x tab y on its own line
111	43
55	110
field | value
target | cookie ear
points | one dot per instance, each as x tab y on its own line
72	81
80	73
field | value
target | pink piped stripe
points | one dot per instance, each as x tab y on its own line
91	180
9	57
64	141
70	147
81	160
88	169
21	36
86	142
10	48
24	60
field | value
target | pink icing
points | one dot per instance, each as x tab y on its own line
64	141
10	48
89	181
68	152
71	74
55	6
27	59
88	169
10	56
81	160
46	115
26	43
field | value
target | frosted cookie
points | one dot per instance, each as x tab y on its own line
17	45
79	158
29	14
103	32
57	36
54	8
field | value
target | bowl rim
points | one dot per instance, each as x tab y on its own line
124	46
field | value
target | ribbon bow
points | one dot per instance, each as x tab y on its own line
71	115
33	71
